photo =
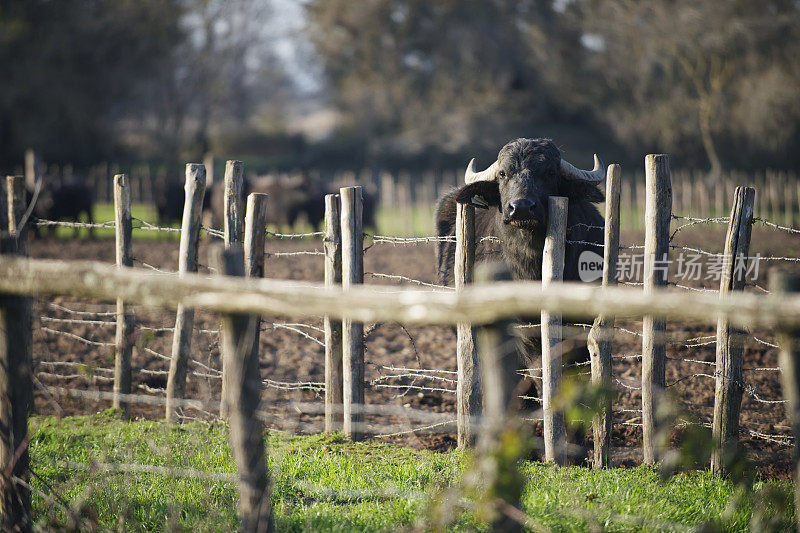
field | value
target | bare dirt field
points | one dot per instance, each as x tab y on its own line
75	351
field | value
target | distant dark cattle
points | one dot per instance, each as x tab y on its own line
291	199
65	202
169	203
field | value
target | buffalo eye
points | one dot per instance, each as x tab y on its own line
502	174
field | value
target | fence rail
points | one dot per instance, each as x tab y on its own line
476	304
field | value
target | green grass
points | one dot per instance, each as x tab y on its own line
413	222
325	483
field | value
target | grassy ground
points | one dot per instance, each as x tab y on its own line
324	483
390	221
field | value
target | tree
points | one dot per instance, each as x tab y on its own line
414	73
681	73
72	68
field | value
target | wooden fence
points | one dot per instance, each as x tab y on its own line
695	194
347	305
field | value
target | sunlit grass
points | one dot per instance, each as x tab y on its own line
326	483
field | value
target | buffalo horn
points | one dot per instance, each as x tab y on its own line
471	175
598	173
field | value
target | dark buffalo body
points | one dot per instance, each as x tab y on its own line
291	199
514	193
65	202
516	211
170	197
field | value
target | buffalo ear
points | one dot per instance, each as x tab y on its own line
482	194
580	190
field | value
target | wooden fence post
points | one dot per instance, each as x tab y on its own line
208	163
125	327
333	328
32	168
730	341
243	398
352	332
15	208
403	191
781	283
626	204
602	332
552	346
16	389
234	210
187	262
255	237
388	194
499	362
658	212
468	388
234	219
686	198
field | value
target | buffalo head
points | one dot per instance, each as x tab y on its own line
525	174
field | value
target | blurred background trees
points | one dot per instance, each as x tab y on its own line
400	82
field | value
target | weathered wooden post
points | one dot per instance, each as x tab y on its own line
686	198
730	341
774	200
552	273
403	191
352	332
498	368
602	332
781	283
15	374
234	219
32	171
243	398
234	208
187	262
388	194
333	328
208	163
255	237
658	211
15	209
468	388
626	201
719	196
125	326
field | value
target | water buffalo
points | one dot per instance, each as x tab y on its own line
291	198
64	202
170	197
513	194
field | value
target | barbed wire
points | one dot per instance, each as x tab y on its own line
773	225
296	235
77	337
410	280
692	221
289	254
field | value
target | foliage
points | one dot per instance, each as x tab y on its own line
412	73
717	75
713	81
72	68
